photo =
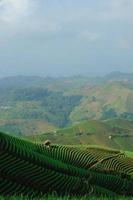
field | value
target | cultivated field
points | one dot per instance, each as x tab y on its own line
35	170
65	198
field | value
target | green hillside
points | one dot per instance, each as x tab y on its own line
120	123
34	170
23	127
37	104
65	198
110	134
110	100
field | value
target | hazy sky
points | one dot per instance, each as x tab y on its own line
65	37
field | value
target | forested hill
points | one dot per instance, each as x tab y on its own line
58	102
37	103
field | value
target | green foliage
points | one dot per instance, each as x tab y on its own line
113	133
127	116
34	170
27	127
109	114
37	103
65	198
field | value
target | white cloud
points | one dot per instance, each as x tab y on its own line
14	15
12	10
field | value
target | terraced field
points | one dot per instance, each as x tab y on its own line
117	134
65	198
35	170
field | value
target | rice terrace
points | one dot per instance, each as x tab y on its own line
35	170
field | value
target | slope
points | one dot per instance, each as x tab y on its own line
105	101
93	132
36	169
23	127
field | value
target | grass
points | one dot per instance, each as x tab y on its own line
92	132
129	154
65	198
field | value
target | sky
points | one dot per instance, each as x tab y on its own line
65	37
